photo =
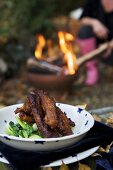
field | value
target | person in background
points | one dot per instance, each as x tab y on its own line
96	28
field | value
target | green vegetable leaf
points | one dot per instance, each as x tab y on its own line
34	136
13	128
35	128
27	129
22	129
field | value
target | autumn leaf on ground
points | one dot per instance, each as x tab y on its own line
48	168
83	167
96	154
64	166
107	149
90	162
100	150
82	106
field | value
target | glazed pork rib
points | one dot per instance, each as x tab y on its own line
49	108
41	108
25	112
25	108
63	126
43	128
26	118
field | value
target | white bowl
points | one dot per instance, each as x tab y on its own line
83	121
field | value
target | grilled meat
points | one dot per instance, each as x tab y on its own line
49	108
71	123
63	124
25	108
45	131
41	108
26	118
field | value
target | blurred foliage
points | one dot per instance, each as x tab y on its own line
21	20
19	17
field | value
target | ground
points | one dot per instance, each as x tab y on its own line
98	96
14	90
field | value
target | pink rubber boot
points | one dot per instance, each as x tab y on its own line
86	46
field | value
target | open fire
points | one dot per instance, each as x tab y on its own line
68	57
55	67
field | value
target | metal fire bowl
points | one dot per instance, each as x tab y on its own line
51	81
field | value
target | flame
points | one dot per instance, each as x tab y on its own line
66	48
70	62
69	37
39	48
65	42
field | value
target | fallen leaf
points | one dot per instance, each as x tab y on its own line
96	117
101	149
90	161
64	166
110	120
83	167
108	147
96	154
49	168
83	106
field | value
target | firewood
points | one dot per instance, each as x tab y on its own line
95	53
43	65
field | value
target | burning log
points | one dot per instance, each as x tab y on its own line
43	65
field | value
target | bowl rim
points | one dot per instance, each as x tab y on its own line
50	139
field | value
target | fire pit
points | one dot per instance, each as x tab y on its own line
56	70
57	73
48	76
51	82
